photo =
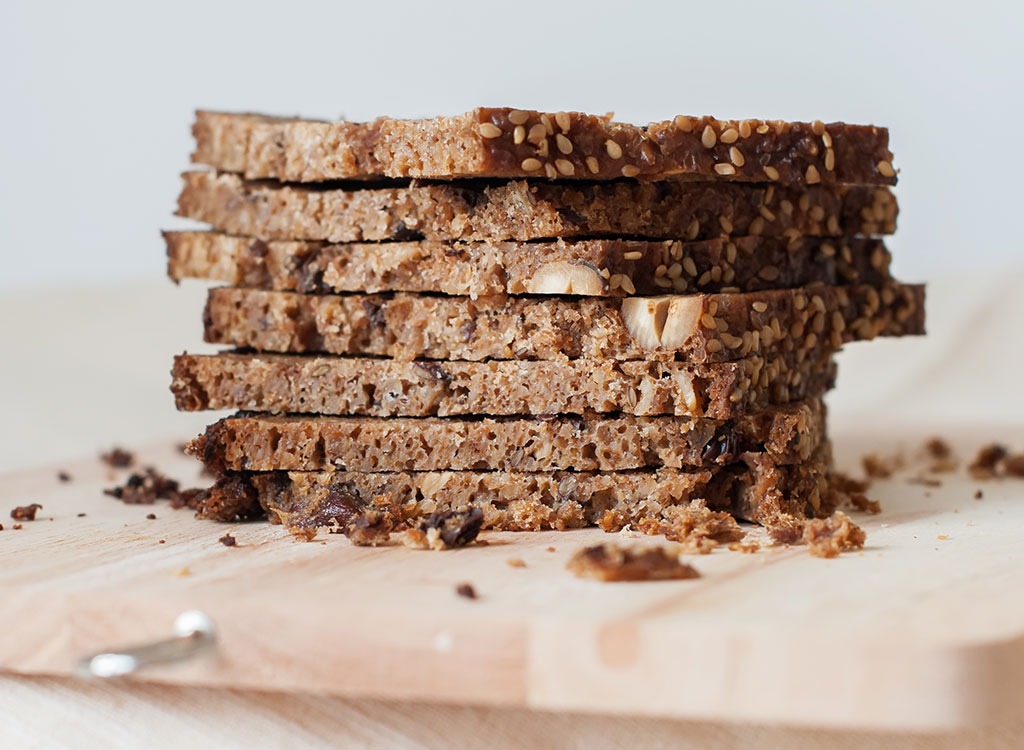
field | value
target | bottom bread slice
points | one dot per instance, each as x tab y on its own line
753	489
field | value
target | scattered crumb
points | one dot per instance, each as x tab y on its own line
146	488
877	467
26	512
17	527
785	529
698	528
81	515
985	464
827	537
978	494
183	572
943	537
466	590
1	527
612	562
447	529
228	541
1014	465
515	562
118	458
182	448
925	481
151	516
747	548
853	490
162	541
63	476
371	528
550	549
938	448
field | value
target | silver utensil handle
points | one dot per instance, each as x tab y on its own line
194	634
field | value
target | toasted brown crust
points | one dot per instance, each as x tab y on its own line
267	443
704	328
280	384
606	267
518	501
528	211
501	142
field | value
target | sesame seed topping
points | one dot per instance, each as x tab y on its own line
812	176
632	255
593	165
562	118
630	171
606	273
662	282
676	270
684	123
762	129
769	195
725	169
543	148
729	135
708	321
563	143
708	137
714	346
756	226
565	166
771	173
805	202
518	135
614	149
744	128
689	266
737	157
693	230
531	165
830	160
726	225
518	117
660	271
885	169
615	281
546	122
769	273
826	138
490	130
549	170
766	213
818	127
627	285
730	252
828	250
537	134
817	213
832	225
786	206
760	306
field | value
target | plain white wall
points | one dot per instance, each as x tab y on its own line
97	98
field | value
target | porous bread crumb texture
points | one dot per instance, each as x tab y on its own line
604	267
752	489
532	211
828	537
504	142
789	434
697	328
610	562
282	384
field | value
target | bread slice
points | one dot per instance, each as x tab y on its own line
281	384
752	489
259	442
587	267
528	211
696	328
509	143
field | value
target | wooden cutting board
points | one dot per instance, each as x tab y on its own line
924	629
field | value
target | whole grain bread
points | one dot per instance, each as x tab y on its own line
282	384
521	210
509	143
697	328
586	267
257	442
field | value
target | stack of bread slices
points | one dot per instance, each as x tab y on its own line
544	321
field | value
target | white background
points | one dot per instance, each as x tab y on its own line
97	98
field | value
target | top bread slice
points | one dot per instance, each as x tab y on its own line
513	143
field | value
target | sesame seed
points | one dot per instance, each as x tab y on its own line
729	136
518	117
537	134
730	252
614	149
563	143
725	169
708	137
713	346
683	123
766	213
727	276
737	157
716	273
830	160
630	171
615	281
549	170
771	173
704	278
832	225
760	306
726	225
489	130
627	285
811	341
518	135
662	282
744	128
818	127
769	195
812	176
546	122
756	226
817	213
733	342
606	273
660	271
675	270
679	284
713	306
562	118
800	302
593	165
565	166
693	230
542	148
689	266
805	202
826	138
531	165
762	129
769	273
828	250
632	255
885	169
786	206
